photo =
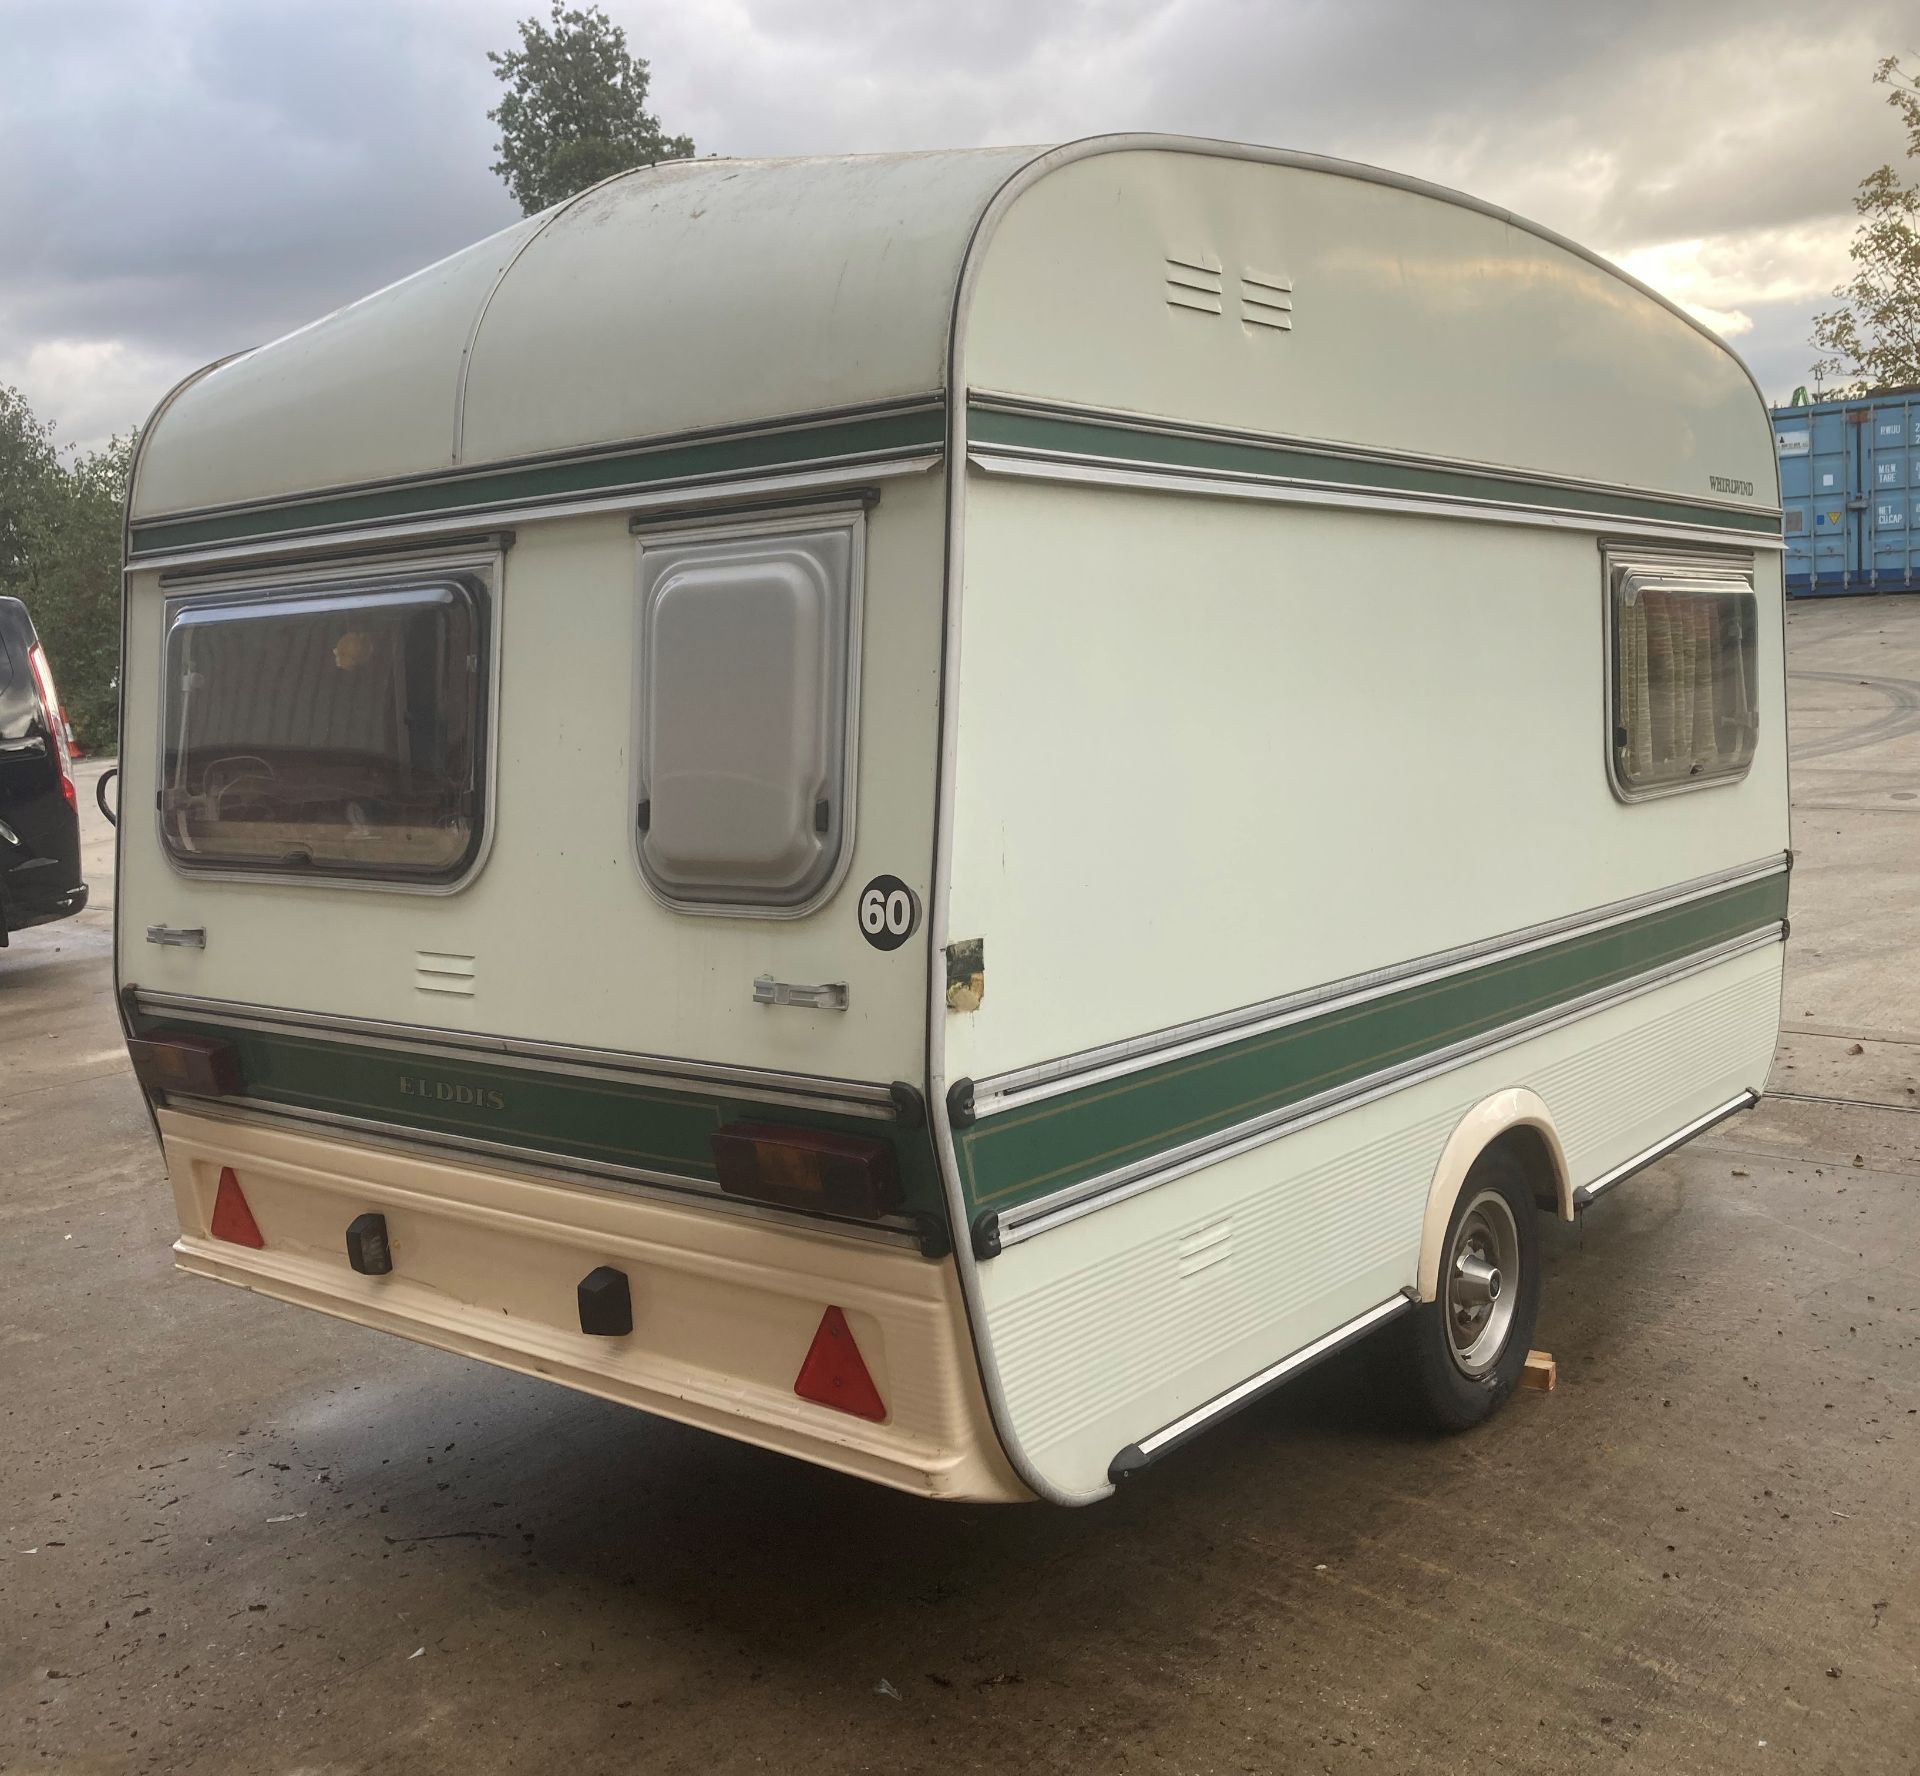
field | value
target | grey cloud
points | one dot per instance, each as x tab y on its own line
193	176
203	176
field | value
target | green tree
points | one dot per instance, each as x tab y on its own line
61	549
27	464
1873	338
72	585
575	108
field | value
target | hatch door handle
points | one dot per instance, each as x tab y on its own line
178	937
827	996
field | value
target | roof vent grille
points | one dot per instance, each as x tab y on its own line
1194	281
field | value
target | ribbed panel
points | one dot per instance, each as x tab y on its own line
1109	1327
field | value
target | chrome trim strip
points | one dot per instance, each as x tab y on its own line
1149	1449
321	557
828	473
142	438
988	401
1069	1203
1040	465
1586	1194
843	1097
554	1167
939	1119
1114	1060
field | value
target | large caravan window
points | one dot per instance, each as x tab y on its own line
1685	708
334	732
747	655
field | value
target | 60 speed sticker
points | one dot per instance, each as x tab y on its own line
889	912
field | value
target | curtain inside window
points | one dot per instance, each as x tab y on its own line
1683	684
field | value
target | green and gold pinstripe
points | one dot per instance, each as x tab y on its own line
796	446
1108	440
1021	1154
567	1116
770	450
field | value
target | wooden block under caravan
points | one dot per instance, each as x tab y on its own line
1541	1372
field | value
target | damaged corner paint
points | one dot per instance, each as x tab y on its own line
966	974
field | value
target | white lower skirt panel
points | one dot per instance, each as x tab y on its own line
1110	1326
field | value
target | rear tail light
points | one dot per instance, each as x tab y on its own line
835	1374
200	1066
232	1220
799	1168
54	718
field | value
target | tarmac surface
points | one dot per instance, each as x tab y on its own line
235	1536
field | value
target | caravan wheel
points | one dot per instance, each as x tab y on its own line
1464	1351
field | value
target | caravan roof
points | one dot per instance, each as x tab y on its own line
701	297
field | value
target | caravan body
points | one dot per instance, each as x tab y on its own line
943	811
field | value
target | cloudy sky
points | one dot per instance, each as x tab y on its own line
181	178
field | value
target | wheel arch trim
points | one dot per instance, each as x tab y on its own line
1490	1119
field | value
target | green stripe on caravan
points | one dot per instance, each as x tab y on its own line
774	449
793	448
1085	1134
604	1122
1116	444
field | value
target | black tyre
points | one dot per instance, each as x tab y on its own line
1463	1352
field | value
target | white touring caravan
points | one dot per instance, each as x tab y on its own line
950	811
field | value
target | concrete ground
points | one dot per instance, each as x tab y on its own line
239	1537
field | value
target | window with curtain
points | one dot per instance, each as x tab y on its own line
1685	708
331	731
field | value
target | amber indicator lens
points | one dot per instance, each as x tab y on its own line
801	1168
200	1066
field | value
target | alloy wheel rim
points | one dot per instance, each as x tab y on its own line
1483	1283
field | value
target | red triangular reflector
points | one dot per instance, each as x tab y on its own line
232	1220
834	1374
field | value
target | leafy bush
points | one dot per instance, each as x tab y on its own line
61	544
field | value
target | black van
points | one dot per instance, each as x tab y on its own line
39	811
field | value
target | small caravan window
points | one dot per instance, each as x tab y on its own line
747	655
331	732
1683	670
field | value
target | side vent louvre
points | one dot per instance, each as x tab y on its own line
1205	1248
437	971
1266	301
1195	283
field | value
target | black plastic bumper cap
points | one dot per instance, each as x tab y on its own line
606	1303
368	1249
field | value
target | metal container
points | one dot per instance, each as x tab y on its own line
1850	494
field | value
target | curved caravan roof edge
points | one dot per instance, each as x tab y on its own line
1271	310
144	436
1047	160
603	323
595	328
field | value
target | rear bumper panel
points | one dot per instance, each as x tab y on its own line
486	1263
43	903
